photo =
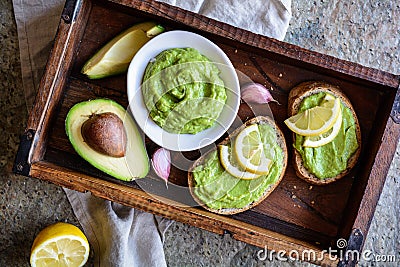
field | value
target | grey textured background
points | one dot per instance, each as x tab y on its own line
366	32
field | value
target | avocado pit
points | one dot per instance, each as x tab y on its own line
105	133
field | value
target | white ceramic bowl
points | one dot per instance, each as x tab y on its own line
181	39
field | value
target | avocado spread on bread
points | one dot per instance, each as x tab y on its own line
216	188
330	159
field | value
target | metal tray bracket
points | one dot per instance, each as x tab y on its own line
352	250
22	165
395	113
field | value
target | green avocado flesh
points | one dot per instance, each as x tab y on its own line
135	163
183	91
114	57
331	159
219	190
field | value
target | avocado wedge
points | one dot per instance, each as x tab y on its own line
114	57
134	163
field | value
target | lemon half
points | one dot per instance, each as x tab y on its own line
60	245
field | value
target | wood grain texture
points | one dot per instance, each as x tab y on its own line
198	217
363	201
296	215
53	81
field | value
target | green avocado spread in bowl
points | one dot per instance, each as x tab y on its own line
183	91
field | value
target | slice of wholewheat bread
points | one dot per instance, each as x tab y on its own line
296	96
280	141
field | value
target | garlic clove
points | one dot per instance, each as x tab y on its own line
256	93
161	162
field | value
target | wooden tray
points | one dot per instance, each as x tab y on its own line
296	216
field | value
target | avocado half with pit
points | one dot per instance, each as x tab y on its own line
103	133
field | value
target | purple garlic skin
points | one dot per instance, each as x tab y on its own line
256	93
161	162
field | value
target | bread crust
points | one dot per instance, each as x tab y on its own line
280	140
296	96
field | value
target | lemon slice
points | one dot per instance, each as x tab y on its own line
61	245
316	120
115	56
249	151
325	138
225	158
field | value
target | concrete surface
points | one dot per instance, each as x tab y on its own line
366	32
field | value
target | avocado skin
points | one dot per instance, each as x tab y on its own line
135	164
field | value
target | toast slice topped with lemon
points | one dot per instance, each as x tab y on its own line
242	170
326	132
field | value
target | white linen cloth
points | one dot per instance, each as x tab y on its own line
119	235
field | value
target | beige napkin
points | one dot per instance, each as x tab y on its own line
118	235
